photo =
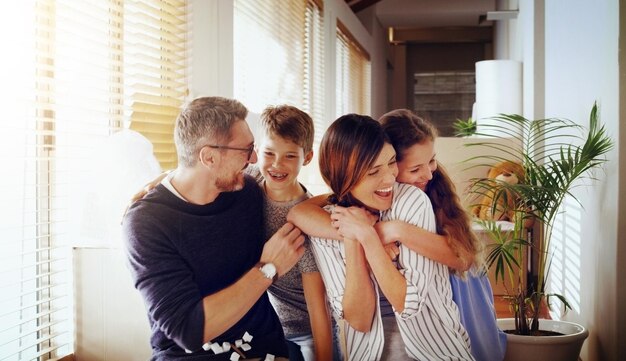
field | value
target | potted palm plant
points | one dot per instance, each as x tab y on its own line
554	160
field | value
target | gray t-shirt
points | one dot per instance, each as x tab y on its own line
287	293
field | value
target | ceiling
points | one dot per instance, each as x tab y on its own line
427	13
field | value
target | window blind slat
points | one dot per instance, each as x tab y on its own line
8	326
44	350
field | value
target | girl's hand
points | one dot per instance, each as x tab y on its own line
388	231
389	234
393	250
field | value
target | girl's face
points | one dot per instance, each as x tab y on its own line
418	165
375	190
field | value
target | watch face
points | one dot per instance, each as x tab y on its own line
269	270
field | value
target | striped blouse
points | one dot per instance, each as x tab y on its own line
429	324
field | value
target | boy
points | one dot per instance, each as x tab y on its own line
298	296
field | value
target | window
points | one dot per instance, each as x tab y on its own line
77	72
289	35
270	52
444	97
353	75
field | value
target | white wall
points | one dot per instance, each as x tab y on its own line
581	66
570	54
110	319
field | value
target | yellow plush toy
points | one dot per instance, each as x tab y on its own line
508	172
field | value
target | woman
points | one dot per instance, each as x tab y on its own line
454	244
358	163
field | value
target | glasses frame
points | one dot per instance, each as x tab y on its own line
250	149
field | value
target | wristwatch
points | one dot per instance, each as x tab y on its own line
268	270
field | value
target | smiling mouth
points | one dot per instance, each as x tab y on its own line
277	176
386	192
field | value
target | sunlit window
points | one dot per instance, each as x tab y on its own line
279	59
352	75
72	73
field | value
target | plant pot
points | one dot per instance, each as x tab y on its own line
545	348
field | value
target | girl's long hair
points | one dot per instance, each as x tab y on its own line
348	150
406	129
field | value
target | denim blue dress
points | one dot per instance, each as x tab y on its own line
474	298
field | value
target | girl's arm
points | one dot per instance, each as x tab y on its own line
319	315
428	244
312	219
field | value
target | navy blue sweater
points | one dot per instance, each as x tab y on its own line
180	252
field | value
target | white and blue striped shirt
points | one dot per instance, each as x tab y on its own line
429	324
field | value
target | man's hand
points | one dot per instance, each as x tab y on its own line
284	249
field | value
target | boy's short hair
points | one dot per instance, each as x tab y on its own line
290	123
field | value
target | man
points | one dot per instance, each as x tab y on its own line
196	246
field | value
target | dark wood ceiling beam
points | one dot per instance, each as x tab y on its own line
462	34
359	5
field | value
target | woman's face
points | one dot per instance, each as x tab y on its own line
418	165
375	190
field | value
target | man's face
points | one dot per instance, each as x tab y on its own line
233	161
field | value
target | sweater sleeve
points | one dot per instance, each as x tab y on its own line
413	206
163	278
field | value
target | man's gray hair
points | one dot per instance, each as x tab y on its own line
203	121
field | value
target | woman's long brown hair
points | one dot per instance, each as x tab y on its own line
348	150
406	129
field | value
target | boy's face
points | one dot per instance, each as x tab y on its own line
280	161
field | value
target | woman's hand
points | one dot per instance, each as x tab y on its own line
353	222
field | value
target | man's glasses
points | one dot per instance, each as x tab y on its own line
250	149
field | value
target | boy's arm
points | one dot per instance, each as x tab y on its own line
319	315
312	219
427	244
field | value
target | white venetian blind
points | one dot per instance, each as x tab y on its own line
279	59
67	81
353	74
154	57
271	53
314	76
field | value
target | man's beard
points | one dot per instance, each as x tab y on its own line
231	184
